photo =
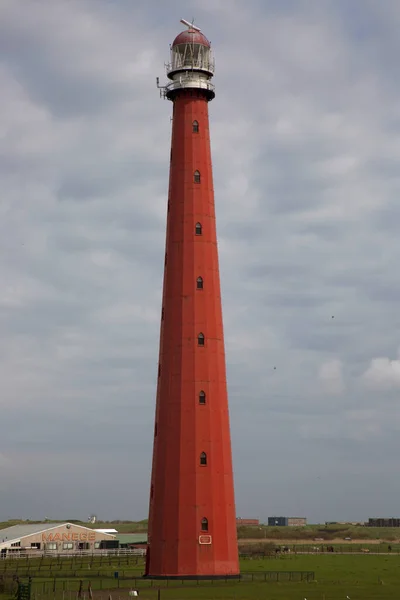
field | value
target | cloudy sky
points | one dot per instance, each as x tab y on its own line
306	147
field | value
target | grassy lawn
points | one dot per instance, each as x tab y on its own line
326	532
363	577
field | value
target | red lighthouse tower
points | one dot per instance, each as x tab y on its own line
192	521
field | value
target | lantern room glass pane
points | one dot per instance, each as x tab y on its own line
191	56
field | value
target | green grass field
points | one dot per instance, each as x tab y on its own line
337	575
363	577
328	533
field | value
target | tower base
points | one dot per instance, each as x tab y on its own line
192	577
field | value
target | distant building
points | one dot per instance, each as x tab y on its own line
112	531
136	542
297	521
287	521
247	522
277	521
381	522
51	538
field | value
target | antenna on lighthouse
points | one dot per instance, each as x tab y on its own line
190	25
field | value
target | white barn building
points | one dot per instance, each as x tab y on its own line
57	538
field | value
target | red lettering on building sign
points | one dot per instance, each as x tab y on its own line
68	537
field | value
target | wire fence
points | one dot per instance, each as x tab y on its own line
251	551
304	585
69	565
246	550
35	554
58	586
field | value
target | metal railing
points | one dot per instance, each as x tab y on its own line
28	554
188	82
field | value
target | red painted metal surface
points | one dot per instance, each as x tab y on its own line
184	491
191	36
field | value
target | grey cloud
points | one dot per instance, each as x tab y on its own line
387	218
276	270
43	317
304	138
297	300
328	232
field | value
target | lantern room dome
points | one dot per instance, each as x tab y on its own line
191	36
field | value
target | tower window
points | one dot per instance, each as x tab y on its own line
202	397
204	524
199	229
203	459
195	126
200	339
199	283
196	177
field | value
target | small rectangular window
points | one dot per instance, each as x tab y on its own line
68	546
51	546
